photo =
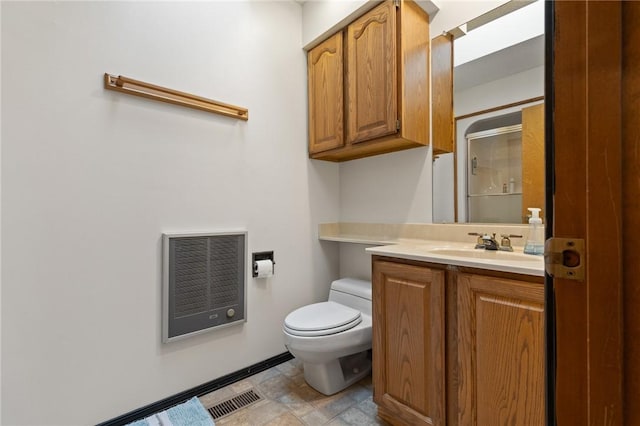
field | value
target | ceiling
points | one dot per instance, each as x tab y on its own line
512	60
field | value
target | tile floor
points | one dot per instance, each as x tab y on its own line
289	401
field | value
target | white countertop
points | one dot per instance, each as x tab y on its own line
463	254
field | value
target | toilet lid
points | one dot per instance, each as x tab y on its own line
321	319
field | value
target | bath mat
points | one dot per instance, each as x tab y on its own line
190	413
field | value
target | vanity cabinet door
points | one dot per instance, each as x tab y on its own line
500	338
325	80
408	343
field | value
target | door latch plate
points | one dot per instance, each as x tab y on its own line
564	258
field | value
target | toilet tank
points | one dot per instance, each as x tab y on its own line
352	292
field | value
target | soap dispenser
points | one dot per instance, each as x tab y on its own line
535	239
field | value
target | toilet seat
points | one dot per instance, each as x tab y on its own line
321	319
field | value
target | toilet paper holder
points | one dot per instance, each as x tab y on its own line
261	255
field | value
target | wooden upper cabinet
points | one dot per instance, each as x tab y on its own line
386	88
372	97
442	86
500	346
325	76
408	343
532	160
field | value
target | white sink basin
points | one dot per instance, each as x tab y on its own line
486	254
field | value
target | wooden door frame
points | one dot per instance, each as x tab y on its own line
630	206
584	200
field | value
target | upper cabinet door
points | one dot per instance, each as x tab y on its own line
325	76
442	86
372	75
532	159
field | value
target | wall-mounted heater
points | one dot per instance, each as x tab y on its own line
203	282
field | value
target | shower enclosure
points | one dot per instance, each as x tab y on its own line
494	175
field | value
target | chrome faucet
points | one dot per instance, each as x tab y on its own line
489	242
505	243
479	241
485	241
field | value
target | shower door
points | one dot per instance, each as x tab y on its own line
494	175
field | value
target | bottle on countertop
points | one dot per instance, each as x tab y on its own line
535	239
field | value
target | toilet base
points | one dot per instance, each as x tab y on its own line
337	374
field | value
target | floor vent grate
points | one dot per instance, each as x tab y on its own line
233	404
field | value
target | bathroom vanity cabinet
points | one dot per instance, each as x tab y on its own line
500	350
368	85
408	342
457	346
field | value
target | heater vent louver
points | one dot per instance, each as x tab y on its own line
203	282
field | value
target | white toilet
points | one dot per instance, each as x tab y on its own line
333	338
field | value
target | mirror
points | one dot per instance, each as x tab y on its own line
497	168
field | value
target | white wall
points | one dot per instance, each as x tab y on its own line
91	178
390	188
355	262
514	28
321	18
517	87
443	189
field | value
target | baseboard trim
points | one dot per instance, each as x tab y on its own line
200	390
